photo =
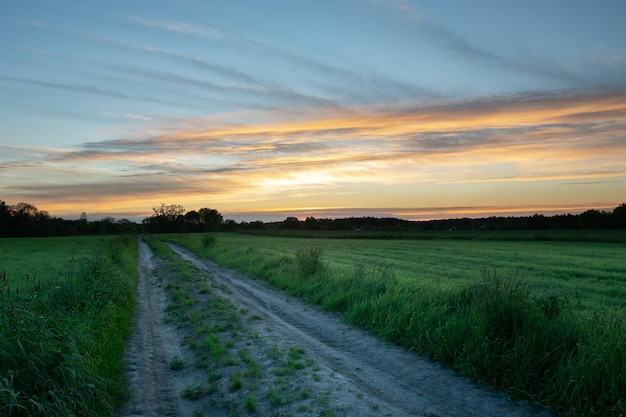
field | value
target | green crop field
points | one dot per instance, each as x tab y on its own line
591	274
65	307
45	258
544	319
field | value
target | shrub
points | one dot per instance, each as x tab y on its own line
309	262
208	240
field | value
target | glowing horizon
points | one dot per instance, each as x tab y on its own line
176	106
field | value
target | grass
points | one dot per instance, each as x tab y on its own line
309	262
237	382
176	364
47	259
543	319
241	365
608	236
589	273
194	392
275	397
249	403
65	307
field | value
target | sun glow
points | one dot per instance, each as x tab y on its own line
549	150
295	180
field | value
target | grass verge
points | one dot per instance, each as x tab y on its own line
61	338
497	329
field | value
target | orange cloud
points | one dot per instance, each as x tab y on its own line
427	156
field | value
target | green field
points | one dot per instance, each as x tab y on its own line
65	307
541	318
591	274
45	258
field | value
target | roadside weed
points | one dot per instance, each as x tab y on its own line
275	397
250	403
177	364
237	382
309	262
194	392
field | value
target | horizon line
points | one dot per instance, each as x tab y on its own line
402	213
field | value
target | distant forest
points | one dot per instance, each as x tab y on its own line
24	219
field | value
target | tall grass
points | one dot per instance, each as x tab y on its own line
533	342
309	262
61	339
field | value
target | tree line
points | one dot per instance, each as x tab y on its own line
590	219
175	219
25	219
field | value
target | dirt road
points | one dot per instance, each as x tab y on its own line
354	374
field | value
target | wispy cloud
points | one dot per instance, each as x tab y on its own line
179	27
506	140
516	140
171	105
336	79
251	91
89	89
223	70
451	40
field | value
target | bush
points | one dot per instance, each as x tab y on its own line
309	262
208	240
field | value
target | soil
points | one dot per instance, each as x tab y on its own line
344	371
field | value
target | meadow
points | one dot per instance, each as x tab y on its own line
543	319
65	307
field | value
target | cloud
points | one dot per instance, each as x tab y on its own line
223	70
230	87
501	129
337	156
88	89
250	90
359	85
179	27
447	38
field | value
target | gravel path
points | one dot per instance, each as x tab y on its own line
357	374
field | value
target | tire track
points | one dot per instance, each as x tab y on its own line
404	383
144	353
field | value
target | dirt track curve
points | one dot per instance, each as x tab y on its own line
398	382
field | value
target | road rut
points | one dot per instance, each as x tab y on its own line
398	382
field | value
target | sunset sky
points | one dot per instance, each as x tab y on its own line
329	108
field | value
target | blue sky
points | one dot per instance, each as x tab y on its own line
417	109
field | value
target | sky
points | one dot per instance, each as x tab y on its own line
327	108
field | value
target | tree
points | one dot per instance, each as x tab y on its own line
27	220
192	221
5	219
229	224
311	223
619	216
290	223
170	211
211	218
166	218
24	209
